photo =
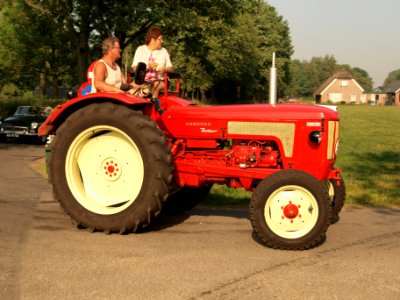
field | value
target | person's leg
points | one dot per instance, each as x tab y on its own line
157	87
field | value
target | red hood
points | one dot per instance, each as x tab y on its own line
201	122
252	112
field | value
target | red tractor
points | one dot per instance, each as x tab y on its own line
116	160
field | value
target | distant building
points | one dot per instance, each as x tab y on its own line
341	87
393	93
386	95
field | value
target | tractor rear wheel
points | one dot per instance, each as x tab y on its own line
110	168
290	209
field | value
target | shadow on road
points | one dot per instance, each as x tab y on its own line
168	219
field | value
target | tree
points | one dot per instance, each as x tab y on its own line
222	47
307	76
274	35
298	86
391	77
363	78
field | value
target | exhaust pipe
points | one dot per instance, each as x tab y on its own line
273	82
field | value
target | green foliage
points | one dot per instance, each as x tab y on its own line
363	78
232	60
41	53
9	103
211	42
307	76
223	48
392	76
360	75
10	89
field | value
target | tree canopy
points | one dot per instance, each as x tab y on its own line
307	76
392	76
222	48
211	42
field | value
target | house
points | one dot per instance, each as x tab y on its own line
377	96
393	93
386	95
341	87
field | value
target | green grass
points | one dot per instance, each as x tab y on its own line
369	156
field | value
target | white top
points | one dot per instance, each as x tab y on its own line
160	56
113	76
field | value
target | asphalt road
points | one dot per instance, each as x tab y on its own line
205	254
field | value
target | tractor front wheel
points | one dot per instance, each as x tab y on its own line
290	209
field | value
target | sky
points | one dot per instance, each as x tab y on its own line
360	33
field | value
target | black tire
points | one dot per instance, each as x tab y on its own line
111	168
186	198
291	210
337	193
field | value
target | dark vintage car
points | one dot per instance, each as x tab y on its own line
24	124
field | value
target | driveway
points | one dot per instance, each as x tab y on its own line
209	253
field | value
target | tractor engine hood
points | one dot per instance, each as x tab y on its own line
201	122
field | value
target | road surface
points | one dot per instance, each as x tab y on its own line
209	253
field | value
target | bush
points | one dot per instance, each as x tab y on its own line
9	104
10	89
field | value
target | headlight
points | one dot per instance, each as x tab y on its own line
34	125
315	137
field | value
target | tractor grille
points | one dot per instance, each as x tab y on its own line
283	131
333	137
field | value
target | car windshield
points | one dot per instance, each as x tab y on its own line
28	110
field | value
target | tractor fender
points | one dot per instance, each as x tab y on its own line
62	111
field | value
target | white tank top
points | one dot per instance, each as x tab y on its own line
113	76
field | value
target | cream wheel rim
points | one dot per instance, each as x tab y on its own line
291	212
104	169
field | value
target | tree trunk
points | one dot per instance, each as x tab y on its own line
82	43
42	82
82	56
203	96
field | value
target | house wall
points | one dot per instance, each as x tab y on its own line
343	90
378	99
384	99
393	99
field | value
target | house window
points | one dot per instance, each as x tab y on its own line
353	98
335	97
344	83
